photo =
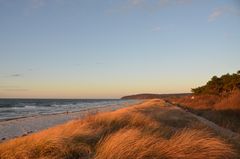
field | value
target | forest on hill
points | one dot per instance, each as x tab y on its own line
220	86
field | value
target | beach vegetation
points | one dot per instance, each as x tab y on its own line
146	130
220	86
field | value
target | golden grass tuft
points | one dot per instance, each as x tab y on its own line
147	130
132	143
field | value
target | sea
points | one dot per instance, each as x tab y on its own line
20	108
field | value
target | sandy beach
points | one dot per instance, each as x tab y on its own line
23	126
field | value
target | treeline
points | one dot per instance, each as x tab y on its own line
220	85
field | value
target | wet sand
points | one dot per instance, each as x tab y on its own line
23	126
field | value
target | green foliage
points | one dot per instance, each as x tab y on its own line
220	85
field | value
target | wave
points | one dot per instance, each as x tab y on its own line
15	108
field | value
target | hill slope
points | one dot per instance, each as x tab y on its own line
154	96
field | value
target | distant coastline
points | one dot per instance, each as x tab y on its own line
154	96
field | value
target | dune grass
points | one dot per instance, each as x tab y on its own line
147	130
224	111
132	143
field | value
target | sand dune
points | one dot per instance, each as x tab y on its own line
152	129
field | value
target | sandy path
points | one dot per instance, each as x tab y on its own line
226	133
23	126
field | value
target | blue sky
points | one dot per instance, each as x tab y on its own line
111	48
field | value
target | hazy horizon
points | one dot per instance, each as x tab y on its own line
109	49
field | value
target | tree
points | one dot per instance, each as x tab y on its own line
220	85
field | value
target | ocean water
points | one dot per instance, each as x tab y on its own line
17	108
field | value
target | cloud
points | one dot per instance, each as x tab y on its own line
184	1
6	86
156	29
15	75
99	63
136	2
159	2
222	11
37	3
215	14
16	90
11	88
150	5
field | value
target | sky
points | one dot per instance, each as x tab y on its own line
112	48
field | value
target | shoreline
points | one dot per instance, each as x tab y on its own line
23	126
66	112
59	101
